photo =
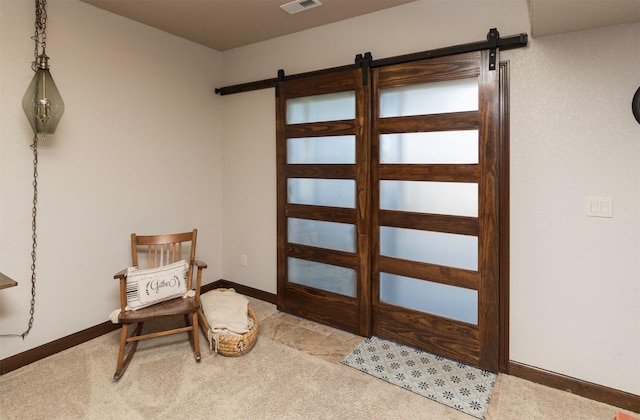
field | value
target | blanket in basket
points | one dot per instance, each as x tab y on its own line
226	313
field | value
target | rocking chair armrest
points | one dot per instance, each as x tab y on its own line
200	264
122	277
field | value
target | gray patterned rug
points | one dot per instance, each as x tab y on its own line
465	388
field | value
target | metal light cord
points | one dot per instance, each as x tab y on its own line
39	39
40	36
34	236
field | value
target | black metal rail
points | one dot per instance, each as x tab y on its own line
492	43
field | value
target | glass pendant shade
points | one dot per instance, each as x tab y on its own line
42	102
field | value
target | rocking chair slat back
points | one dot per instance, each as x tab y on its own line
162	250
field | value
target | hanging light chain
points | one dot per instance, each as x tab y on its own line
34	236
40	41
40	35
34	243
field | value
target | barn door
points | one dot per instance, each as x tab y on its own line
323	182
388	200
435	276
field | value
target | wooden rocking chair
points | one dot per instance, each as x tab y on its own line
159	251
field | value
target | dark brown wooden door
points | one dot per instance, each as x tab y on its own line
323	186
435	235
388	203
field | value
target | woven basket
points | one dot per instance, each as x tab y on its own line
230	345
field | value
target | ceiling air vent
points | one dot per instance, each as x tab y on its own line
300	5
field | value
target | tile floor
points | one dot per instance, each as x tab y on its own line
310	337
334	345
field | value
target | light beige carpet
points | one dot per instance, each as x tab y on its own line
273	381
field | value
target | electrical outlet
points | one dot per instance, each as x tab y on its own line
599	207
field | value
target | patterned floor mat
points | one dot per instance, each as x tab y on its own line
465	388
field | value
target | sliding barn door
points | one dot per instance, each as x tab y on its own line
435	200
388	203
323	200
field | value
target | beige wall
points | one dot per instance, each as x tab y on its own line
140	110
574	280
575	289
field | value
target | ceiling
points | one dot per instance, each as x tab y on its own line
227	24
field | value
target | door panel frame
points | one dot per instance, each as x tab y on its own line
489	257
348	313
505	206
473	344
357	314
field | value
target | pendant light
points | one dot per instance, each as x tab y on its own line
42	102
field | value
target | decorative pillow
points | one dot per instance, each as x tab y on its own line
149	286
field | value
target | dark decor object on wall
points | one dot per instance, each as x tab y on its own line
635	105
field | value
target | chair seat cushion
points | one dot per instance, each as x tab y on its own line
173	307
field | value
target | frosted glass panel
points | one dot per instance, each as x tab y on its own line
328	107
331	235
439	299
322	276
311	150
453	147
452	198
430	98
448	249
322	192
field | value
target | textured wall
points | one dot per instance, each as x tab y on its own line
138	150
574	279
